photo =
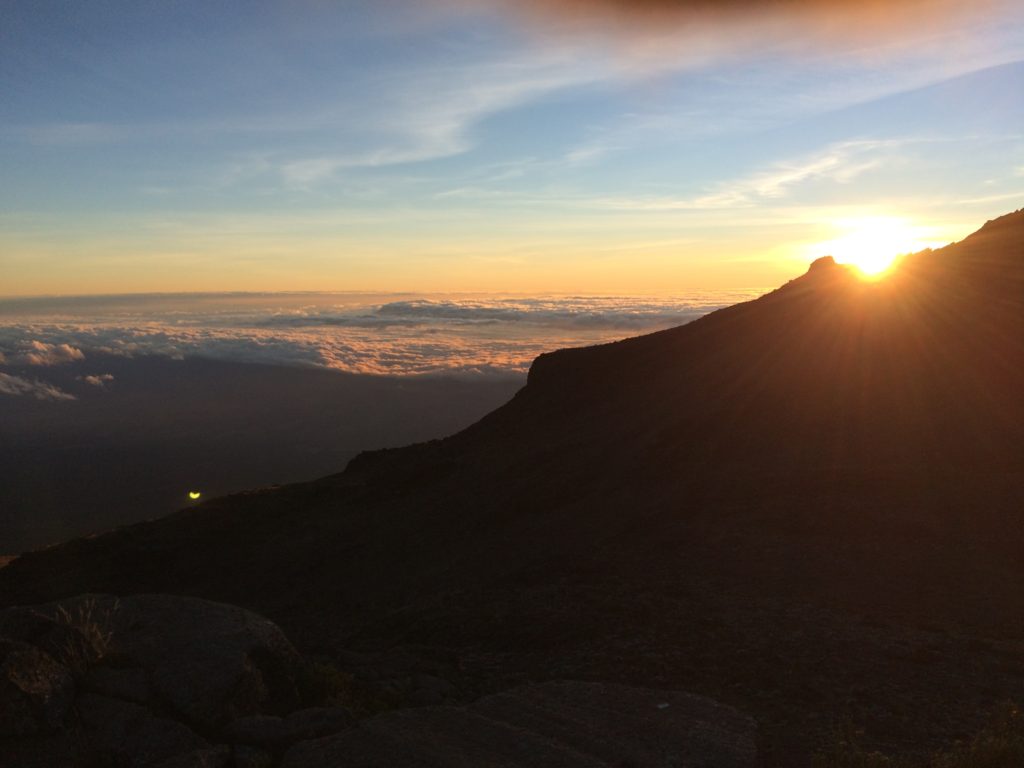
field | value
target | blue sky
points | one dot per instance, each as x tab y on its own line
443	146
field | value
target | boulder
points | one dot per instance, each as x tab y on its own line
150	671
565	724
35	691
131	684
127	734
62	749
212	757
624	725
261	730
54	635
209	663
318	721
430	690
277	732
243	756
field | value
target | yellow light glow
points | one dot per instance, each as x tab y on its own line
872	244
194	495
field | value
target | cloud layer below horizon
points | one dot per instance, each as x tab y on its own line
403	335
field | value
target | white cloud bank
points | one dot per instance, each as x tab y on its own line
405	336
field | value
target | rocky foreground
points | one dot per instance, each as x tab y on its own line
160	681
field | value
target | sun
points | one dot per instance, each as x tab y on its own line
872	244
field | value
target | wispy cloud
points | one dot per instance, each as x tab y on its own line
383	116
839	163
17	385
998	198
426	115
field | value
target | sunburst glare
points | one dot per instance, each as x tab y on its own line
872	244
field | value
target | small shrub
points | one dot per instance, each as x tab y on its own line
94	630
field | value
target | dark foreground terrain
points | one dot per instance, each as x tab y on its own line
807	507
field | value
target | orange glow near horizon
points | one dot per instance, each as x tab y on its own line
873	244
638	255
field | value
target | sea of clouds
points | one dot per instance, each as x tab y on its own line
379	334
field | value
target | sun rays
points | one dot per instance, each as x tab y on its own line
872	245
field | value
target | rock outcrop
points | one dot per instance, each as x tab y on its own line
35	691
563	723
147	680
160	681
208	663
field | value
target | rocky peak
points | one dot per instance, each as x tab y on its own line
821	264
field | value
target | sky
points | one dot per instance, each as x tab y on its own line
651	147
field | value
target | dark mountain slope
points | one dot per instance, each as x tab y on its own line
773	505
130	450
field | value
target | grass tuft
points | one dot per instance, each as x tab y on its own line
94	630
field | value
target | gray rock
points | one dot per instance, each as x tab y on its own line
398	662
45	751
54	636
192	660
261	730
315	722
430	690
564	724
108	722
35	691
623	725
243	756
356	748
425	698
128	684
213	757
210	662
127	734
276	732
434	685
